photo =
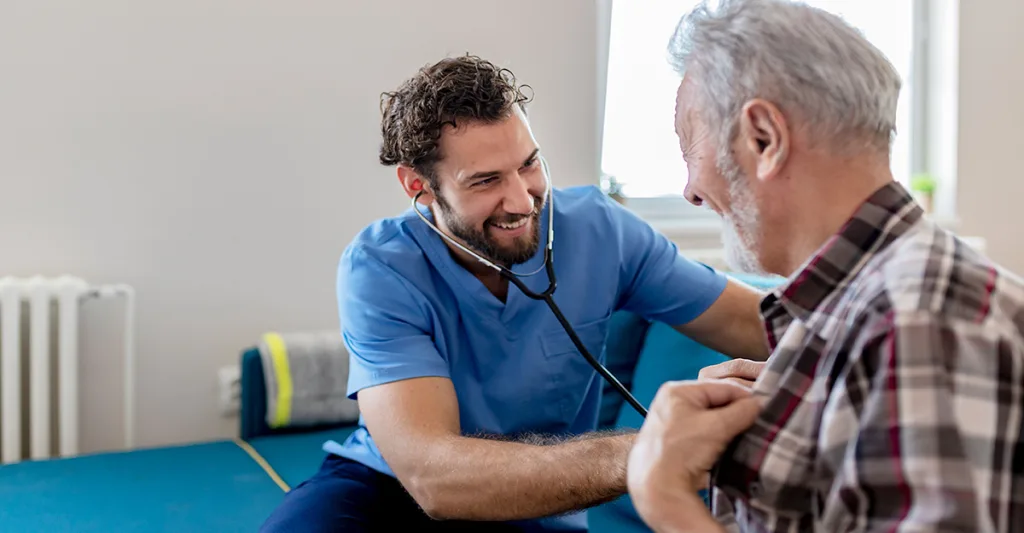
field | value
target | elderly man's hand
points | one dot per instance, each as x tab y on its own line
688	426
742	371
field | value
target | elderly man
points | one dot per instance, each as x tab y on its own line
894	396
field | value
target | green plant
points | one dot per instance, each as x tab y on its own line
923	183
612	187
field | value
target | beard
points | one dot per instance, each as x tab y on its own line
484	243
742	224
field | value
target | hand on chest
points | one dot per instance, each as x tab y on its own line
775	467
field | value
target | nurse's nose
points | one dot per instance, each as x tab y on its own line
518	200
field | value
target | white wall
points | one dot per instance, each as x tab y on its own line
990	186
218	155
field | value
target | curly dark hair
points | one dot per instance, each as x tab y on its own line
465	88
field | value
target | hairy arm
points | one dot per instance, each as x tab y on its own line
732	325
415	424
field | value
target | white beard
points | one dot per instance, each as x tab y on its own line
738	229
738	254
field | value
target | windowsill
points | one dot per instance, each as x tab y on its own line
678	219
704	227
687	226
700	238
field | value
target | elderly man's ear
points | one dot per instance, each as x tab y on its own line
764	136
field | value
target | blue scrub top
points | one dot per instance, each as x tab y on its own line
408	310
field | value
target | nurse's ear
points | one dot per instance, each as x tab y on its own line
414	183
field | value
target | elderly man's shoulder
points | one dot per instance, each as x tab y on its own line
931	272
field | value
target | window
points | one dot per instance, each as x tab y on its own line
640	149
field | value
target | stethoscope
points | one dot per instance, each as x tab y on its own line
547	295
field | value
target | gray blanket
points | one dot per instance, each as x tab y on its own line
306	378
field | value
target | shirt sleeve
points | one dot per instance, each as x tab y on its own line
385	325
656	280
921	430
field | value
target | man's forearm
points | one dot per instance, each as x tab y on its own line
483	479
732	325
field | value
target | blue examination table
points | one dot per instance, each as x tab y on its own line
220	486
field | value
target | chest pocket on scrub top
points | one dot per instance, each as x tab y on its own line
570	375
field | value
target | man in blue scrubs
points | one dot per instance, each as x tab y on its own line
478	413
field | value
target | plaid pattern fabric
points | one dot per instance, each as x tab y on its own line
895	389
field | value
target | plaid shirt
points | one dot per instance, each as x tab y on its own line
896	389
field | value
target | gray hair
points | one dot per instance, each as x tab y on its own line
810	63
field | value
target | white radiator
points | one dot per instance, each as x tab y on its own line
53	308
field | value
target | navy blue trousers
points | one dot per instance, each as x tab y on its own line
345	495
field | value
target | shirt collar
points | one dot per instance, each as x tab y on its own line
886	215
